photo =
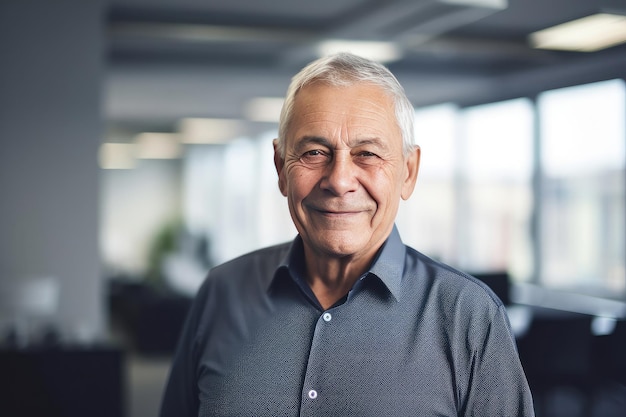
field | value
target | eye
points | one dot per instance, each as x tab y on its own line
366	154
314	157
367	158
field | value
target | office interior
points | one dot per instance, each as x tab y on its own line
137	153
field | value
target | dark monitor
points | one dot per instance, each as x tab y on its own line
63	382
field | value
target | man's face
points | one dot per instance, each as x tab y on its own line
344	171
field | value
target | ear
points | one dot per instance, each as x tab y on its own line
279	163
412	164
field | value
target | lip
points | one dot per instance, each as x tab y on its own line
339	213
336	213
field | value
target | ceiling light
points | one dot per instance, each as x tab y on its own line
205	33
493	4
158	146
374	50
209	131
264	109
116	156
589	34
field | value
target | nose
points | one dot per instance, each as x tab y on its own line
340	176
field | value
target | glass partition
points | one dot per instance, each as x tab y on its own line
496	198
581	237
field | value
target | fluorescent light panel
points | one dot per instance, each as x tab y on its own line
264	109
158	146
492	4
588	34
206	33
374	50
117	156
209	131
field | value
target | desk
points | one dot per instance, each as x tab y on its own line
62	382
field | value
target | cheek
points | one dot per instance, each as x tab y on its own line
300	181
385	182
385	189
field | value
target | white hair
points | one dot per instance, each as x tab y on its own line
346	69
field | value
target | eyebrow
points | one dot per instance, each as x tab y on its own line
376	141
305	140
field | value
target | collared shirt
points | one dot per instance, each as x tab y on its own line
413	337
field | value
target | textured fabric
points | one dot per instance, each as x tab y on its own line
412	338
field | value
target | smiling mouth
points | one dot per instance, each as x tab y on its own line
337	213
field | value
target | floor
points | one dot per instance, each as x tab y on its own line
146	380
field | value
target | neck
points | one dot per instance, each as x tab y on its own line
331	278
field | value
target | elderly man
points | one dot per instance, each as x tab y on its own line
345	320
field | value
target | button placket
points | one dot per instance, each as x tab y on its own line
313	399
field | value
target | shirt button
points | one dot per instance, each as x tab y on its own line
312	394
327	317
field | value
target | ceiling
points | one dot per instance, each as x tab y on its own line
169	59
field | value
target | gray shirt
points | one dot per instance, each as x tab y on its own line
413	337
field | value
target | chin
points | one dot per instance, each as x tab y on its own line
342	244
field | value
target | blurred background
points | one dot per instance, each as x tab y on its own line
137	153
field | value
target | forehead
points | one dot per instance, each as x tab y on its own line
360	108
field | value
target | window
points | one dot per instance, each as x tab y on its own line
495	206
426	220
581	237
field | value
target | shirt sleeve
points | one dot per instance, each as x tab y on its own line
498	384
180	397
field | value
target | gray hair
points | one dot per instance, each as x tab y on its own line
345	69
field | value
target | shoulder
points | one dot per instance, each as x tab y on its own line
261	260
448	282
233	284
463	308
252	271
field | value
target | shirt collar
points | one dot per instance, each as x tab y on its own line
388	266
290	263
